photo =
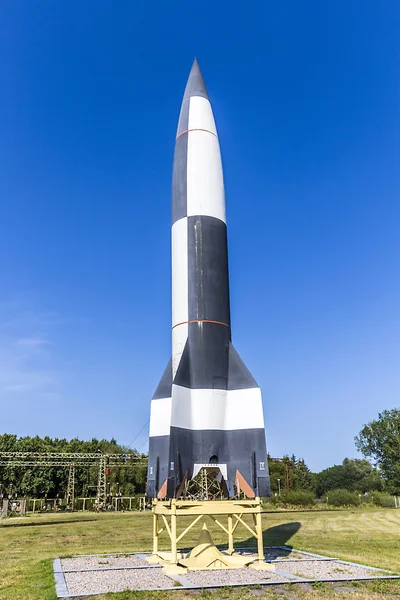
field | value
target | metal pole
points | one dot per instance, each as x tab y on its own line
279	487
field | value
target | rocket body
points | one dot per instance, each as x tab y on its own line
207	408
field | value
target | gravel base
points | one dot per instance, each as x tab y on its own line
272	554
99	574
110	561
322	569
283	555
231	577
95	582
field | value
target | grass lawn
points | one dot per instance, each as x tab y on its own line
28	545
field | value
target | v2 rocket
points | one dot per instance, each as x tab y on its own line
207	408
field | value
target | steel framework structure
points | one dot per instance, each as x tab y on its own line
64	459
73	460
71	488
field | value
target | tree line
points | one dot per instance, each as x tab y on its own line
379	440
40	481
354	475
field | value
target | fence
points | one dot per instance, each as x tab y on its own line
22	506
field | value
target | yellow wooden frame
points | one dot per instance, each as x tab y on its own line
234	510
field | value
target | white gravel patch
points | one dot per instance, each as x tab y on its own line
231	577
332	569
92	582
111	561
99	574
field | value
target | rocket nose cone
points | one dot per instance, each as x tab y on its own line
195	85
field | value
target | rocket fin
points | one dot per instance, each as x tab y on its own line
183	375
163	491
159	435
165	386
252	475
243	486
239	377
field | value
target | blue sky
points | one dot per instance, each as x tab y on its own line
306	98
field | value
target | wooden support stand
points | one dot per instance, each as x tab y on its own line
169	512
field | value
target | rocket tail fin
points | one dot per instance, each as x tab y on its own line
253	472
239	376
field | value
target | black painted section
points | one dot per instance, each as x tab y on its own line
205	358
195	85
158	464
210	361
208	269
239	377
241	450
165	386
179	179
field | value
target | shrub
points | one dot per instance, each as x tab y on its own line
292	498
343	498
381	499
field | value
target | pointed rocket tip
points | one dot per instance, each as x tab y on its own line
195	85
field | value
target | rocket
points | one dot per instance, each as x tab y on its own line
207	409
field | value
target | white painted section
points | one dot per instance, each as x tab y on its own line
180	289
201	115
160	417
205	182
224	410
179	337
221	467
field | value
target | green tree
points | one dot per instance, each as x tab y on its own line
304	478
380	440
293	474
289	481
276	471
352	475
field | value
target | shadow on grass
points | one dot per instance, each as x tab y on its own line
279	535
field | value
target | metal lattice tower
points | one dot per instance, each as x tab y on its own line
71	488
102	484
207	485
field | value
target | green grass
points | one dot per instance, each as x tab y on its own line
28	545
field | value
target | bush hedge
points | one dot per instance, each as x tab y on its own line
339	497
292	498
382	499
343	498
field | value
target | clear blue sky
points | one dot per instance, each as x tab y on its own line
306	99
